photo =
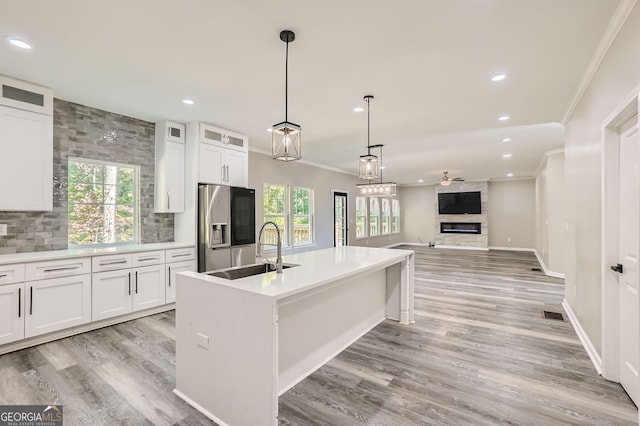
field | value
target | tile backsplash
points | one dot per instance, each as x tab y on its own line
85	132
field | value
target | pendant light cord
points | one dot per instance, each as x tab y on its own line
286	84
368	127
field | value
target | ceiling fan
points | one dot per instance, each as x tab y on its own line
446	179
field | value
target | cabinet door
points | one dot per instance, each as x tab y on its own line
210	164
11	313
57	303
111	293
26	145
169	177
172	270
237	173
149	287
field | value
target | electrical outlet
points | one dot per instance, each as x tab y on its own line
3	229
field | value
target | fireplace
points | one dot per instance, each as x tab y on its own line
460	228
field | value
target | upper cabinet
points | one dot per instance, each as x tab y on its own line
169	175
223	156
26	146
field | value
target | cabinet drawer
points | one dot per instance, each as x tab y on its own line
10	274
148	258
178	255
57	268
111	262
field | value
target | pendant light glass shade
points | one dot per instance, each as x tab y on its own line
369	167
286	137
286	142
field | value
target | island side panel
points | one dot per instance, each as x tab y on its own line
408	287
315	327
226	359
394	291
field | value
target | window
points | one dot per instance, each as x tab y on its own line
102	202
395	216
386	216
374	216
361	217
292	210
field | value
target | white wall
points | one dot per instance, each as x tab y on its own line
617	76
417	213
263	169
512	214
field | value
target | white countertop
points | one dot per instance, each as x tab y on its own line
39	256
315	269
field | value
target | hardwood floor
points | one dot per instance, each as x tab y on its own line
480	353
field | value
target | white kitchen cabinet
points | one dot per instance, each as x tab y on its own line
169	167
57	303
12	312
223	156
26	146
110	294
149	287
178	260
127	283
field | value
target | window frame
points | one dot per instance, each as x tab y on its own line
385	219
395	214
365	217
136	234
374	213
288	239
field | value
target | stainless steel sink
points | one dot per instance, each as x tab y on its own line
247	271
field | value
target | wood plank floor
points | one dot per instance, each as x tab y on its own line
480	353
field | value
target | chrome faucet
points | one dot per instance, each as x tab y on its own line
279	245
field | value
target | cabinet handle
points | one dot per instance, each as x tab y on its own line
181	255
3	275
117	262
66	268
144	259
129	283
19	302
168	200
169	276
31	300
222	170
136	282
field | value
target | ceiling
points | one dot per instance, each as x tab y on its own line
428	64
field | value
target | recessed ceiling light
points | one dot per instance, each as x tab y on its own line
358	109
420	180
509	174
269	129
19	43
188	101
506	140
504	118
498	77
506	156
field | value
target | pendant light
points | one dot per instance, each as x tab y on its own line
377	189
285	136
369	166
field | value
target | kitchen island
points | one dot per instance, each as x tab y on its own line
242	343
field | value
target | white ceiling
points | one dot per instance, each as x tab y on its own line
428	63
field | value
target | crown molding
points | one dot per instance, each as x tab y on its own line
615	25
309	163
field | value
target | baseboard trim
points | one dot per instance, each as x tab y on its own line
511	248
199	407
545	269
584	339
464	248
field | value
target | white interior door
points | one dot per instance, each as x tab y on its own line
629	302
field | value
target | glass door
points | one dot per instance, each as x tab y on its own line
340	218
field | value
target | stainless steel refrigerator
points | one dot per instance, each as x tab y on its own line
226	227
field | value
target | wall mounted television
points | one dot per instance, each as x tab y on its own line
459	203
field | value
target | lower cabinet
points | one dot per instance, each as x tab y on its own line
127	290
57	303
11	312
172	270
